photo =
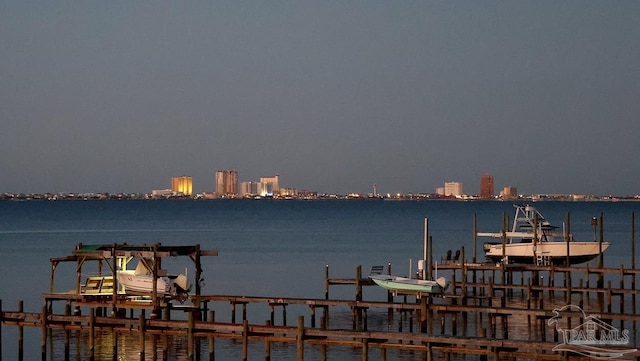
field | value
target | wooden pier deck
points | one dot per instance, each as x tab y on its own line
490	311
473	319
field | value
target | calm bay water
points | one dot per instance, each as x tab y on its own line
266	248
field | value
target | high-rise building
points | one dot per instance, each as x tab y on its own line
226	183
249	189
271	185
509	193
453	189
486	186
182	184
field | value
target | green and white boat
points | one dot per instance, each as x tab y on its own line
409	285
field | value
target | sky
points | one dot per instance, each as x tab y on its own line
334	96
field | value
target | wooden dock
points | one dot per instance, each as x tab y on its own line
473	319
490	311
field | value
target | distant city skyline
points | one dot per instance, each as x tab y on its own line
229	183
121	96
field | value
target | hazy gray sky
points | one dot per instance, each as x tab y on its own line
120	96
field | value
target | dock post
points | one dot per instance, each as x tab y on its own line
323	346
358	310
300	339
463	276
114	345
365	349
313	315
0	329
551	282
233	312
165	339
358	283
154	295
212	340
190	337
245	340
267	346
284	314
198	278
622	296
426	264
633	241
609	301
92	333
600	277
389	295
633	260
141	331
431	261
475	239
67	312
20	334
244	311
43	340
326	282
272	313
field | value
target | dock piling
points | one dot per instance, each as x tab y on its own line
43	340
212	340
0	329
190	336
300	339
92	333
267	345
245	340
20	333
141	331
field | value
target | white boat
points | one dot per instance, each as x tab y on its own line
403	284
532	240
140	282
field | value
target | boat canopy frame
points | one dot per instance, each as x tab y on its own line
112	253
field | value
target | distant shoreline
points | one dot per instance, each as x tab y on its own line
49	197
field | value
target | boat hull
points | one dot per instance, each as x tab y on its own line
142	284
544	252
403	284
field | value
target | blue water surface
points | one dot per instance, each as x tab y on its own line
268	247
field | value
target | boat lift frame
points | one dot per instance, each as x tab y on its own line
113	254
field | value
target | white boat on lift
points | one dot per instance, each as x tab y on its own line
139	281
532	240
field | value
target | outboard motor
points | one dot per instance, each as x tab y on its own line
180	287
182	283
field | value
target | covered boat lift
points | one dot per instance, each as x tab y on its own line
106	287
